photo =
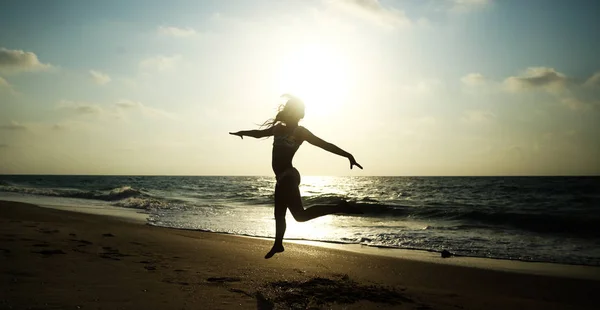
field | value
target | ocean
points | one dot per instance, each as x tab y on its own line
543	219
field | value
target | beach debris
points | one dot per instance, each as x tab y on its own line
446	254
262	303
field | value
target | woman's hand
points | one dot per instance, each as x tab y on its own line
353	162
239	134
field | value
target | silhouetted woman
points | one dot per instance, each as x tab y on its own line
288	136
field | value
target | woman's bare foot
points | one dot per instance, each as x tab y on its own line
349	207
277	248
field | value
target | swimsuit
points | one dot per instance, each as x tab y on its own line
284	148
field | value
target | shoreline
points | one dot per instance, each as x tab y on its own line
498	264
68	259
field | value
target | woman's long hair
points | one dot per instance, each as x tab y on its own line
293	107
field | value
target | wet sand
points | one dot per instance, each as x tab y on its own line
56	259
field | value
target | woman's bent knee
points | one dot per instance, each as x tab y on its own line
300	216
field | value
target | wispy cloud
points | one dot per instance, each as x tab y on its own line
118	110
374	11
160	63
125	105
593	81
467	5
99	77
580	104
5	86
573	92
477	116
4	83
176	31
59	127
13	126
423	87
80	107
12	61
537	78
473	79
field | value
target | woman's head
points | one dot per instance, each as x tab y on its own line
289	113
292	110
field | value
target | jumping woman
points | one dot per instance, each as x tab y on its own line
288	136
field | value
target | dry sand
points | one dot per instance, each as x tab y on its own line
54	259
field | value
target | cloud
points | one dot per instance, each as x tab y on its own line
160	63
12	61
423	87
579	104
80	107
125	104
373	11
5	86
59	127
473	79
477	116
13	126
533	78
4	83
467	5
573	92
128	104
116	110
593	81
176	32
99	77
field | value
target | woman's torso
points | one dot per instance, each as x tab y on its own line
286	142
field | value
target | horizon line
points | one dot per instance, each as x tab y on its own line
241	175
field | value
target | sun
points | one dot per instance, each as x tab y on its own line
317	74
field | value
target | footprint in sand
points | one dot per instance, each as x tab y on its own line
48	231
111	253
82	242
325	291
223	279
49	252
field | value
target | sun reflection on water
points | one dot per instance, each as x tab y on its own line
319	185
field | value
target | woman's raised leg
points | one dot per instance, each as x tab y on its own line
302	215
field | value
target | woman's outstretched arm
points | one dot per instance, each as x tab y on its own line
330	147
254	133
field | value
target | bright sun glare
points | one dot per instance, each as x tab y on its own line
318	75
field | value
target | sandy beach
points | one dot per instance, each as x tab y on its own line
55	259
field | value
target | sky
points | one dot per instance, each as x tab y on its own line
410	88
